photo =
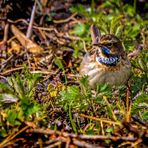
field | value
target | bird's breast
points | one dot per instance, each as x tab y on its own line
100	74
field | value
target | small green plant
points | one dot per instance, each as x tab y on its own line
72	97
80	99
140	106
17	102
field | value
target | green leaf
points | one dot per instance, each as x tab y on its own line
71	120
141	104
80	9
80	29
129	10
115	23
59	63
109	130
5	88
12	118
145	116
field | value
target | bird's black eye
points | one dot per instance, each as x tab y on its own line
109	45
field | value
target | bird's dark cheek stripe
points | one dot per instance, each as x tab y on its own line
108	61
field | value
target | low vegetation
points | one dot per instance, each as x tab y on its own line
43	100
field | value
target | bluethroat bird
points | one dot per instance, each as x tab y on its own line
107	62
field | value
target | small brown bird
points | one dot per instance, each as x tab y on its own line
107	62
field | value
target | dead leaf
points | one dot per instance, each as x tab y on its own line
27	43
15	47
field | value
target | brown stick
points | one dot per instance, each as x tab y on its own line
82	137
29	30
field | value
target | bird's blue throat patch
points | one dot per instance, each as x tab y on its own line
111	61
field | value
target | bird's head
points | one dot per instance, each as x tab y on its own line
108	48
